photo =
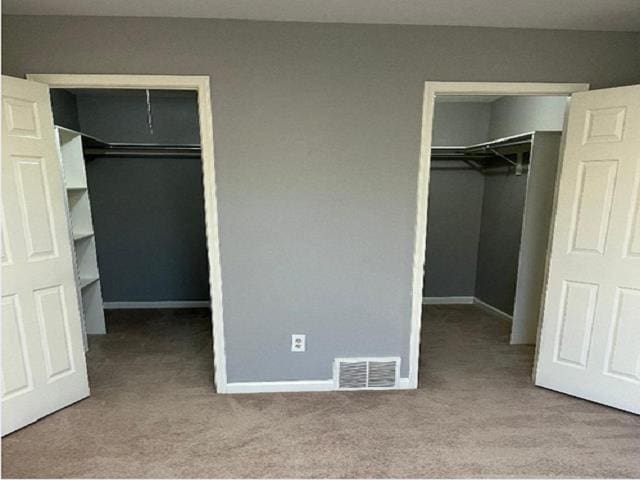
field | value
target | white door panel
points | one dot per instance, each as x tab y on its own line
43	364
590	338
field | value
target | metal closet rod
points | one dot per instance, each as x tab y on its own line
95	147
142	152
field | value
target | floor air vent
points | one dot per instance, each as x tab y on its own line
375	373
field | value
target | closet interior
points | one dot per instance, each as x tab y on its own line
133	178
492	182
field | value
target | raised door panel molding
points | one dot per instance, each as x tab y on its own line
623	350
35	206
6	248
577	314
22	118
604	125
592	206
16	369
633	236
54	328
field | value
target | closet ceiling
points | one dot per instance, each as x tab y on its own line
604	15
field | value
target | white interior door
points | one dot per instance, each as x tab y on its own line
590	338
43	363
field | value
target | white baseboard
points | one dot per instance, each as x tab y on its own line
294	386
447	300
163	304
285	386
465	301
493	309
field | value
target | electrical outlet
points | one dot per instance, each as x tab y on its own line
298	342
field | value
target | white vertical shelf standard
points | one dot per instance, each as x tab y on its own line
536	226
81	228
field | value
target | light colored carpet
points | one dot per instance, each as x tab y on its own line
152	413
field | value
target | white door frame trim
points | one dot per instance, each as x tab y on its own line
431	89
200	84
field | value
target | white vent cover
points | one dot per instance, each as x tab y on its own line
372	373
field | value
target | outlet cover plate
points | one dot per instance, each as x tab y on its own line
298	342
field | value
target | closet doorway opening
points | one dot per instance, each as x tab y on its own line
489	163
137	154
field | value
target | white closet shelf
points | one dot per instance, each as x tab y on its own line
483	156
70	151
77	236
86	281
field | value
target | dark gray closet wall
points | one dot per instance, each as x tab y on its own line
461	123
453	219
453	222
122	116
500	230
148	213
504	197
65	109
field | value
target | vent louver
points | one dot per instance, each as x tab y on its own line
352	375
373	373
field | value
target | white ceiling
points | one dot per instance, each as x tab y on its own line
613	15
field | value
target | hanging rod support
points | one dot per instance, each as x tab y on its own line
499	155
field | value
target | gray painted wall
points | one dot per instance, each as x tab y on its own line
148	213
520	114
317	130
